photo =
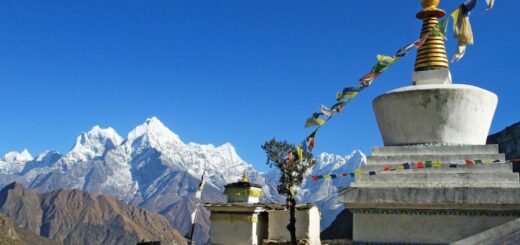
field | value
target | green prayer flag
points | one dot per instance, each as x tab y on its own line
429	164
479	162
384	63
441	28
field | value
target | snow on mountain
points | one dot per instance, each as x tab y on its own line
154	169
13	162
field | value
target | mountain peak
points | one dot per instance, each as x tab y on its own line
23	156
153	131
95	142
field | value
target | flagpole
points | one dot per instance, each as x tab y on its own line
198	196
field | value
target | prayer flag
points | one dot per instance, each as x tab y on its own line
479	162
490	4
325	111
496	161
419	43
344	174
352	175
309	141
468	6
313	121
470	163
198	194
338	107
327	177
387	168
488	162
348	93
453	166
404	50
299	152
400	167
367	79
357	171
314	178
384	63
441	28
372	173
406	166
333	176
420	165
437	164
320	176
429	164
462	30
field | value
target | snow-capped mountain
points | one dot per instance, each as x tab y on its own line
154	169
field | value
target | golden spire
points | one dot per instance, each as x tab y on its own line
432	54
245	177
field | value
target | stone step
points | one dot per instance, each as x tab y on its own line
445	168
383	160
448	178
433	185
437	196
434	150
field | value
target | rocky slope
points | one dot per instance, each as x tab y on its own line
12	234
154	169
508	141
76	217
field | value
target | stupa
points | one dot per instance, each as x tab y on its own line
432	121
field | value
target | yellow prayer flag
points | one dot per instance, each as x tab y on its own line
357	171
437	164
327	177
400	167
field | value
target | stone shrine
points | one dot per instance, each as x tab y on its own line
437	121
243	220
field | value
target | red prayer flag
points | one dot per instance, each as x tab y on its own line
470	162
314	178
387	168
420	165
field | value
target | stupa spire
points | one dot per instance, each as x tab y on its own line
432	54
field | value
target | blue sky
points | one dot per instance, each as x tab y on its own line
223	71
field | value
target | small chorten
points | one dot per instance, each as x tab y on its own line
243	191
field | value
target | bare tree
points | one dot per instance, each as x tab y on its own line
293	162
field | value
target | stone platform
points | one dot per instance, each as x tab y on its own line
432	205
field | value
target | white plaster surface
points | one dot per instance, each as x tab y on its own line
442	76
435	114
508	233
238	232
420	229
307	225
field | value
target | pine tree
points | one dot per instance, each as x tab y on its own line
293	163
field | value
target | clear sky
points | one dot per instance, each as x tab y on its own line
223	71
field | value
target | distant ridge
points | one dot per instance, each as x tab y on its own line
76	217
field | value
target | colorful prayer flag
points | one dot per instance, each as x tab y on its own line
453	165
333	176
352	175
384	63
348	93
437	164
357	171
387	168
468	6
400	167
344	174
198	194
406	166
313	121
420	165
338	107
470	163
419	43
462	30
367	79
314	178
299	152
479	162
372	173
490	4
429	164
308	145
326	111
441	28
404	50
327	177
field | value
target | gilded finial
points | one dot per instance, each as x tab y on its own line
430	3
245	177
